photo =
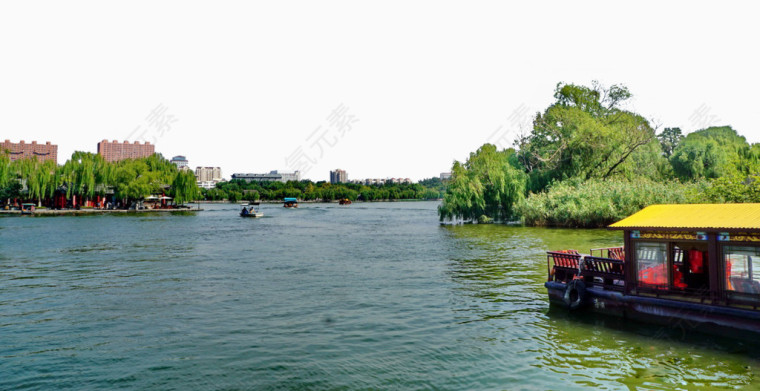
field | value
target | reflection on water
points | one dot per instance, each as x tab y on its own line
371	296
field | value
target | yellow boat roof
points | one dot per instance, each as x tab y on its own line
694	216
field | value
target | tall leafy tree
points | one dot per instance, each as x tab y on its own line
584	134
712	153
184	187
86	174
486	185
669	140
5	169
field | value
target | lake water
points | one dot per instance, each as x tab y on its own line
368	296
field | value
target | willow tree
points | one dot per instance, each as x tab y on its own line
9	184
487	186
40	177
5	169
86	174
184	188
134	179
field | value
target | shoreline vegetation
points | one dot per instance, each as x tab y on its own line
87	181
588	162
306	191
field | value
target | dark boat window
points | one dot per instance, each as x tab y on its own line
679	267
652	264
690	268
742	266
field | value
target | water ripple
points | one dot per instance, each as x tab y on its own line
373	296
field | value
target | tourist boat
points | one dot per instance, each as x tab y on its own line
290	202
694	267
344	201
27	209
250	209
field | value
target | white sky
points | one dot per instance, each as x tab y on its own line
428	82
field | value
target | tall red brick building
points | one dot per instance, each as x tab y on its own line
115	151
22	150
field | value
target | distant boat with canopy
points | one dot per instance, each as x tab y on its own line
250	209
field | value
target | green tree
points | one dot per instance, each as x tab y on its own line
184	187
712	153
584	134
669	140
86	174
135	179
39	177
5	170
10	191
485	185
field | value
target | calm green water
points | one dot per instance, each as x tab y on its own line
369	296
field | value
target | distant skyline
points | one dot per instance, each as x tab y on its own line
391	89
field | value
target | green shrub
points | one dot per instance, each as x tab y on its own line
728	189
598	203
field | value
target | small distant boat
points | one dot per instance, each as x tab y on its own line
290	202
344	201
250	209
27	209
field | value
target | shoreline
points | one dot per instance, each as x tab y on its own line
75	212
196	208
310	201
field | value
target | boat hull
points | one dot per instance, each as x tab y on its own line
683	315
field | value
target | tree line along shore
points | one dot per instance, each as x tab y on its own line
88	180
587	161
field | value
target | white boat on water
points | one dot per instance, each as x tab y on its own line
250	209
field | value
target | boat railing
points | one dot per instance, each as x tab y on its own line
564	266
610	252
607	272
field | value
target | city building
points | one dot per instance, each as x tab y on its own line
208	177
338	176
203	174
181	162
207	184
115	151
22	150
289	176
445	176
380	181
273	176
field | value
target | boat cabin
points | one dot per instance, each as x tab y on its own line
290	202
698	261
708	252
28	209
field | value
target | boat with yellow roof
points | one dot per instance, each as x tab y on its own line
695	267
